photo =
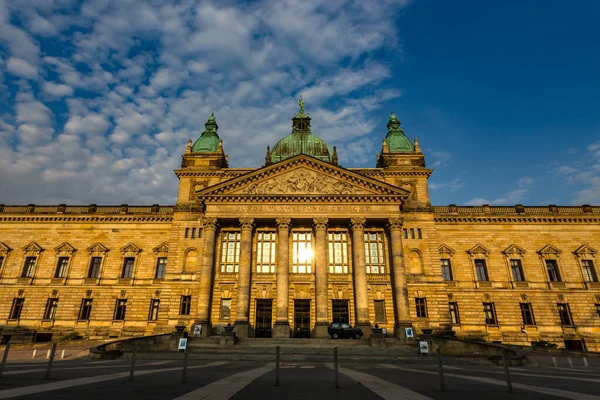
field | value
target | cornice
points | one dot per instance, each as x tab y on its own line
512	220
302	199
83	219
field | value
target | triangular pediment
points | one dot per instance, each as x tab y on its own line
585	250
33	247
302	176
4	249
514	249
130	248
161	248
549	249
98	248
64	248
478	249
446	250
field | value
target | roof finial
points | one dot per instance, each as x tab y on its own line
301	103
268	156
188	148
334	157
384	148
417	147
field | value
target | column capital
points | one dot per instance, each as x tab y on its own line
283	223
247	223
357	223
320	223
395	224
210	223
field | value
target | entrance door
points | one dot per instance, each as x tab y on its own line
264	317
302	318
340	311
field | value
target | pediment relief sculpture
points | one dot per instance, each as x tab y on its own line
478	250
513	249
302	181
549	250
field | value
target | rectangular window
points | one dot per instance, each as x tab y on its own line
338	253
51	306
28	267
552	267
302	253
597	309
153	314
481	270
517	270
527	314
17	307
95	265
419	235
199	233
565	314
589	273
454	316
128	267
230	252
405	232
265	253
161	268
380	311
85	310
187	233
225	309
374	255
61	267
446	269
412	233
489	310
185	305
193	233
120	309
421	303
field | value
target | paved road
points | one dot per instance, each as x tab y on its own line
221	380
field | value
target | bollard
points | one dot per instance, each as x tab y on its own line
48	354
440	369
62	354
186	353
131	371
4	358
570	362
508	383
336	381
49	369
34	353
277	359
554	362
585	364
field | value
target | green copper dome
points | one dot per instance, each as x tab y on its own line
208	142
395	140
301	141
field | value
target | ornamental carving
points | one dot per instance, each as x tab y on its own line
283	223
196	186
210	223
409	185
395	224
247	223
320	224
301	182
357	223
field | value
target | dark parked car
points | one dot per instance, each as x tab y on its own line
344	330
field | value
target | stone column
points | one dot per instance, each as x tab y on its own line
242	324
281	328
399	275
210	225
361	296
321	281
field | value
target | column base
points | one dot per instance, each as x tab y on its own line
400	330
241	329
281	330
320	331
366	328
206	329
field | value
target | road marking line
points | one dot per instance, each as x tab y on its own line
26	371
382	388
512	372
25	390
553	392
225	388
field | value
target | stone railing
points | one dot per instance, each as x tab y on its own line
518	209
91	209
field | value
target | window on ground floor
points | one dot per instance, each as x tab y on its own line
489	310
421	303
374	255
454	315
302	253
17	307
225	309
153	313
338	252
527	314
186	305
266	252
380	311
50	311
230	252
120	309
85	310
564	311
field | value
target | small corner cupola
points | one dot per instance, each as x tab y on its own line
301	141
208	142
396	140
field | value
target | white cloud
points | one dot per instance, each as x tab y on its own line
515	196
452	185
57	89
20	67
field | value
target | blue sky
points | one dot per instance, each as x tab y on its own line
98	98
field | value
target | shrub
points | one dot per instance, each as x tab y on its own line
72	336
543	344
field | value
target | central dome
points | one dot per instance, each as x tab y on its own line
301	141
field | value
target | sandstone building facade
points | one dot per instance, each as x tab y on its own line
285	249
